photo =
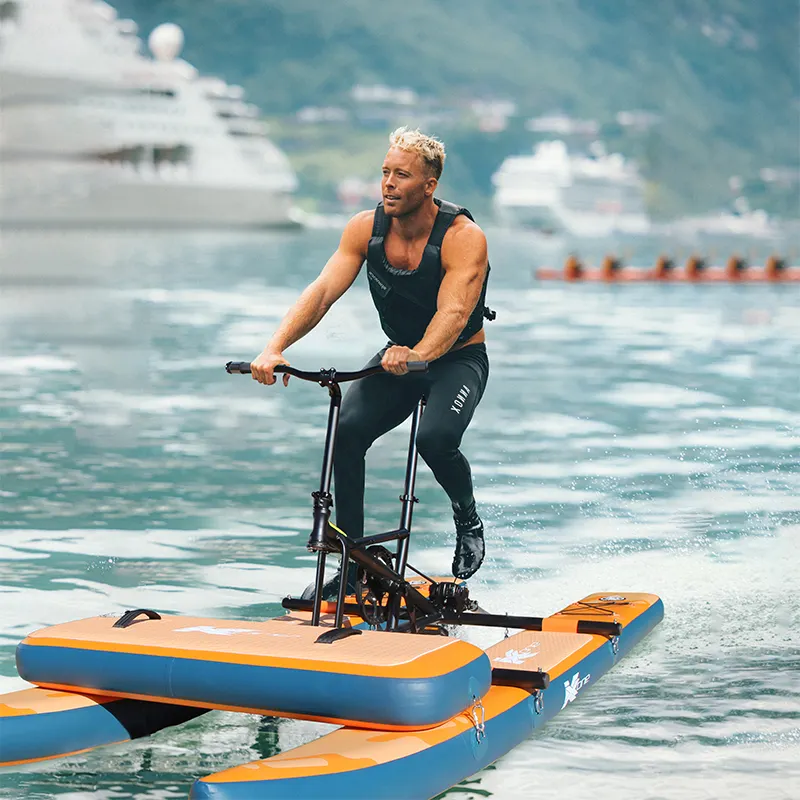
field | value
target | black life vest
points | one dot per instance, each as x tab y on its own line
406	299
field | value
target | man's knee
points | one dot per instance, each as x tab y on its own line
351	435
433	442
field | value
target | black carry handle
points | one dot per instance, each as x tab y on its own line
129	617
322	375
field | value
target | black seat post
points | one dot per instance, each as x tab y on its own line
407	498
407	511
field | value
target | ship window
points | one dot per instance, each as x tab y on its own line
180	154
141	157
8	10
154	92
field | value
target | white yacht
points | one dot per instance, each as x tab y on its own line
558	192
95	133
739	220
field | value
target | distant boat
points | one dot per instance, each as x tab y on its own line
96	134
558	192
738	221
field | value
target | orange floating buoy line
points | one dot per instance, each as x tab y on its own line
696	270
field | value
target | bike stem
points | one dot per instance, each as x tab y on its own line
320	539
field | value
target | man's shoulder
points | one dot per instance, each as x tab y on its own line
360	224
363	216
464	228
363	220
464	240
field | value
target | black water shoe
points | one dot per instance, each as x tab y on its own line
470	548
330	589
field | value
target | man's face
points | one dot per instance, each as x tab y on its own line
406	182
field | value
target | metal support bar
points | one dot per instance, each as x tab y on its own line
297	604
344	571
379	538
589	626
420	622
319	582
409	483
407	509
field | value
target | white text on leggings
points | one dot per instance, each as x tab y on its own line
461	398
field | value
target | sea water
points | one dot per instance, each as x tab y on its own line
637	437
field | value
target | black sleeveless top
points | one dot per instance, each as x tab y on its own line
406	299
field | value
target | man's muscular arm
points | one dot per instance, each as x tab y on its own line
335	279
465	261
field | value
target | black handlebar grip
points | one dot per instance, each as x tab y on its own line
417	366
238	368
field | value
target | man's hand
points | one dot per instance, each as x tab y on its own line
262	369
396	358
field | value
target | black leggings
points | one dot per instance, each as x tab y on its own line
453	386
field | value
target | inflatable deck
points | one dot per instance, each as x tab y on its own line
376	679
696	270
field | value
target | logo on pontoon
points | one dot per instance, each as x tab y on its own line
612	597
210	629
519	656
571	688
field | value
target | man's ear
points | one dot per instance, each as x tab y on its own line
430	186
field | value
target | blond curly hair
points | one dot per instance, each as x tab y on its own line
428	148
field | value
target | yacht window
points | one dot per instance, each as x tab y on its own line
9	10
154	92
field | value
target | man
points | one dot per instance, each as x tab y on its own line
427	268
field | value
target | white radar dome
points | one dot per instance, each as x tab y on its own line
166	42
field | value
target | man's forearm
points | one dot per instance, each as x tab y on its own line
441	334
301	318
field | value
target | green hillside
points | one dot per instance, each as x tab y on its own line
723	77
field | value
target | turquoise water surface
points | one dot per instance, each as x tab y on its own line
632	438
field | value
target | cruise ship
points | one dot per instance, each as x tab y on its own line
558	192
97	133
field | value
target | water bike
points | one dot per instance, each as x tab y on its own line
420	708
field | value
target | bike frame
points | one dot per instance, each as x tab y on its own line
325	538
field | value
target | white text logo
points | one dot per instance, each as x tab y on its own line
519	656
461	398
210	629
571	688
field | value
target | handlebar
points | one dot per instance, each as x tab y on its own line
323	376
